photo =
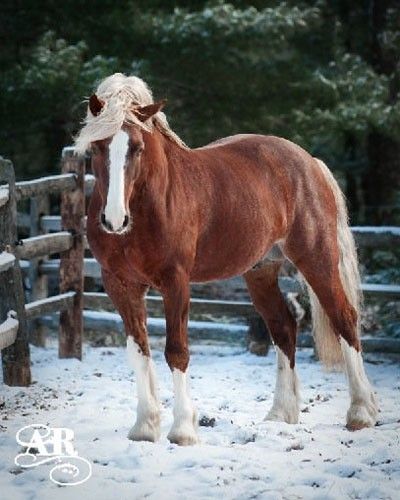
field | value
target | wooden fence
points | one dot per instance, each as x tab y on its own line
64	236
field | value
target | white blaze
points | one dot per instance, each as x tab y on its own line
115	208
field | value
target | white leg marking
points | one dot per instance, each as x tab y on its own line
147	426
285	407
184	428
363	409
115	208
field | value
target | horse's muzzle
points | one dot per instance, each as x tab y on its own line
109	228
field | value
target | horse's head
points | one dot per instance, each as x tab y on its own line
116	164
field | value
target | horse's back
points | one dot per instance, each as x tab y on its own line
268	159
266	153
251	142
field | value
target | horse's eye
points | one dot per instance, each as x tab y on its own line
135	149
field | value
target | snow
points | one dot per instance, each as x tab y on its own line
49	300
377	229
6	261
8	330
240	457
3	195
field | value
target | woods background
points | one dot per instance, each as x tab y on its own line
325	74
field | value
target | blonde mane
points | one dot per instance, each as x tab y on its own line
120	94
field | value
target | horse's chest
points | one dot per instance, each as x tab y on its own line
122	255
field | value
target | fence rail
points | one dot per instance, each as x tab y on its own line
365	236
54	184
49	305
45	244
376	237
64	235
155	306
92	269
44	185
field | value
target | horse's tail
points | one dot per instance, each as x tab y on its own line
327	344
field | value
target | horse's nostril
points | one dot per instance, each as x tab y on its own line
105	222
126	220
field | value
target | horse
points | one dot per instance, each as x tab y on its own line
164	215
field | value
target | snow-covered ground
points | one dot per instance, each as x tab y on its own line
240	457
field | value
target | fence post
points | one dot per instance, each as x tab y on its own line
16	358
71	261
39	205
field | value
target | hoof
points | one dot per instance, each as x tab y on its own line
280	415
361	416
259	348
146	430
184	431
183	437
143	433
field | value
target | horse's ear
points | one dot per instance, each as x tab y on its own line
95	104
146	112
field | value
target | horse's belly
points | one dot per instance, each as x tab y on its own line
233	258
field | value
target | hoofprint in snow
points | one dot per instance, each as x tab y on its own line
240	457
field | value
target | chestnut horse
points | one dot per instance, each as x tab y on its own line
163	215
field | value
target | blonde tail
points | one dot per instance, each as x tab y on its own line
327	345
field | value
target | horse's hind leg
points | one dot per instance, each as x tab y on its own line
263	287
128	298
334	286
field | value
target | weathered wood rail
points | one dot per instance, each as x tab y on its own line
63	236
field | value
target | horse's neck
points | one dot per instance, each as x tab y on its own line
159	173
164	159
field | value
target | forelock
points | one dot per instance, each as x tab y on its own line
120	94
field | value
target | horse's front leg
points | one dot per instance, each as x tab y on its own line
129	300
176	305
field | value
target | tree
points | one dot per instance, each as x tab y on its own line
355	108
45	93
223	67
324	74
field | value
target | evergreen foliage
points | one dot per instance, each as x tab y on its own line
324	74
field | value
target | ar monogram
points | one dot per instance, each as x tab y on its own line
43	445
